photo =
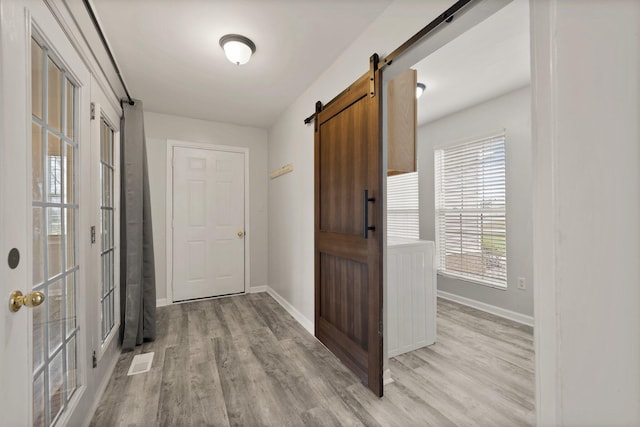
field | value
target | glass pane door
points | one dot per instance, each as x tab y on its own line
55	267
107	171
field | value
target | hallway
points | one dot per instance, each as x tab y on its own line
245	361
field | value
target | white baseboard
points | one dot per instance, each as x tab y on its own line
257	289
386	377
161	302
306	323
498	311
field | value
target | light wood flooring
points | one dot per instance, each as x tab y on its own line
244	361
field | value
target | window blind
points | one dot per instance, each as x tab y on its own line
471	232
402	206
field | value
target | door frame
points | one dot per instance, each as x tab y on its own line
171	144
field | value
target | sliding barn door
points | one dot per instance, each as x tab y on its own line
348	229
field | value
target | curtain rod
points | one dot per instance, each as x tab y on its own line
94	19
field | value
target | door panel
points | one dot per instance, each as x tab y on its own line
348	287
208	227
43	145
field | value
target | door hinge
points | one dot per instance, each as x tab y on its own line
93	234
94	360
93	111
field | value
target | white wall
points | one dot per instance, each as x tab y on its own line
161	127
511	112
290	141
586	98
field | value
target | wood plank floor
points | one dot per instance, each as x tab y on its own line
244	361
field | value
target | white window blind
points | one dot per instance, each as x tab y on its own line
402	206
471	232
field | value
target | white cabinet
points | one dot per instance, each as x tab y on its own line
411	295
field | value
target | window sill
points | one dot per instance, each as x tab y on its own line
473	281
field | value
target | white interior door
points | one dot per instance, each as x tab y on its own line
208	223
44	149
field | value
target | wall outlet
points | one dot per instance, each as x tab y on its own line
522	283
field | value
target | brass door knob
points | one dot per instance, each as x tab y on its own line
32	299
240	233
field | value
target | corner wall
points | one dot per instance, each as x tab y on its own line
511	112
291	202
161	127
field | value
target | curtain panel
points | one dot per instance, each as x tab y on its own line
137	270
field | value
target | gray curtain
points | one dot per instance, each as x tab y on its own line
137	272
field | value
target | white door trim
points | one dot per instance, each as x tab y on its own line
171	143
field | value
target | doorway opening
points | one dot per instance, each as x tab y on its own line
459	264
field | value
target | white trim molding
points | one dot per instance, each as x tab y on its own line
386	377
488	308
256	289
161	302
306	323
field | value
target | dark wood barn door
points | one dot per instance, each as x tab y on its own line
348	229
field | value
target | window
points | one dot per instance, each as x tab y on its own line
107	252
470	203
402	206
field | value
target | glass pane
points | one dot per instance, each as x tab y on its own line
38	337
107	231
69	174
36	79
103	229
70	109
111	262
103	141
38	246
110	324
106	185
71	367
37	172
54	96
56	385
54	168
112	233
104	319
54	243
71	244
54	300
107	272
70	295
39	418
110	147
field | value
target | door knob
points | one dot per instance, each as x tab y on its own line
32	299
240	233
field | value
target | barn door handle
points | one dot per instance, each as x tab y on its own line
365	201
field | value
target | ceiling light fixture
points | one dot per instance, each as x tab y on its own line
237	48
419	89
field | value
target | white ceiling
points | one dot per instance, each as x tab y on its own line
169	55
170	58
489	60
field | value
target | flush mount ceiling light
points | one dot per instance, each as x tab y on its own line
237	48
419	89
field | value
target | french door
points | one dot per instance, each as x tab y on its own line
348	229
44	148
